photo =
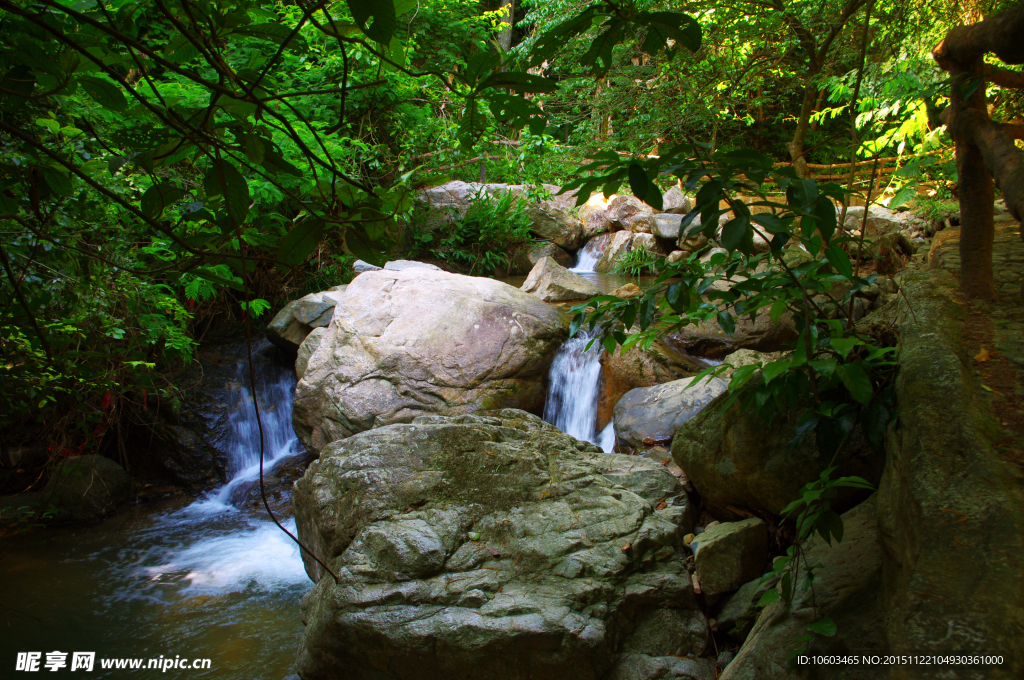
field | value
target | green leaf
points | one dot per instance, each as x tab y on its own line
298	243
376	18
157	198
856	381
105	93
727	323
826	627
774	370
609	344
844	345
768	597
277	33
736	235
223	179
58	182
838	258
903	195
215	278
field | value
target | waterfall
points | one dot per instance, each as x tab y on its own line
589	254
571	403
275	386
213	544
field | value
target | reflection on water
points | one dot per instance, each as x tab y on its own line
203	580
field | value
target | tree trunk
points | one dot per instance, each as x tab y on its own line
796	147
505	36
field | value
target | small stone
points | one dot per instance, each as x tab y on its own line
688	539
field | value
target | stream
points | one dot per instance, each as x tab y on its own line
206	579
200	579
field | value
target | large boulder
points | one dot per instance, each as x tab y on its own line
623	207
496	547
86	488
552	282
847	588
639	367
552	222
657	412
618	245
674	201
419	341
737	461
402	265
592	214
292	324
730	554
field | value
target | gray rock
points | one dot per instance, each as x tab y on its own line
306	349
402	265
738	461
847	589
648	241
592	214
359	267
640	667
666	226
676	256
408	343
496	543
552	282
729	554
552	222
524	260
674	201
86	487
657	412
639	223
292	324
737	614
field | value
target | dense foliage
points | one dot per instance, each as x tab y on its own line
168	165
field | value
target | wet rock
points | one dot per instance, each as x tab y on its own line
420	341
492	542
676	256
737	461
656	413
524	260
618	245
627	291
87	487
674	201
552	282
847	589
552	222
730	554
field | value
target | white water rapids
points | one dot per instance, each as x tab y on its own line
590	254
573	390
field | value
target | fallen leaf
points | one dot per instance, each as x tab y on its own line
983	355
626	547
696	584
494	553
661	506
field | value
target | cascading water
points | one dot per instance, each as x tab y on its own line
590	254
208	580
574	380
